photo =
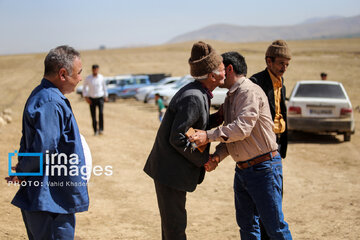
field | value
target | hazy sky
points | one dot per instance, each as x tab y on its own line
28	26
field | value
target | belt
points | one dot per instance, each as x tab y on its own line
256	160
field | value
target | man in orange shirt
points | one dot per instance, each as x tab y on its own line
271	80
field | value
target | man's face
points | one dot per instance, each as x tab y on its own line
279	66
227	79
220	78
95	71
73	79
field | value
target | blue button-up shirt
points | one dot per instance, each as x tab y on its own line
49	127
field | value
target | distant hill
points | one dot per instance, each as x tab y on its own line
316	28
320	19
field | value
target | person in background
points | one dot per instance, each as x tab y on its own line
95	93
277	58
173	164
323	76
161	107
49	201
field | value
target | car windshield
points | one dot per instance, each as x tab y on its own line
111	81
320	91
126	82
161	82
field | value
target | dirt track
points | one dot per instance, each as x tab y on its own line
321	173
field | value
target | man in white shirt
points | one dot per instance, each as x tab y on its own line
95	94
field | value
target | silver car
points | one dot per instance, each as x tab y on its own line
320	106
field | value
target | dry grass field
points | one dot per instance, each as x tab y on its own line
321	173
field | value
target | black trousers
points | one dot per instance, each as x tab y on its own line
97	102
171	204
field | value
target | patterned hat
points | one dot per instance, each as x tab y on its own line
203	59
278	48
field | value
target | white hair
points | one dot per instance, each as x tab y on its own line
203	77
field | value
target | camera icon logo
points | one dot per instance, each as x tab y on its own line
39	155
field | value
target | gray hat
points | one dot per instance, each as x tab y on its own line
203	59
278	48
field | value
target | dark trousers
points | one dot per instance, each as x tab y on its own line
264	235
258	194
49	226
171	204
97	102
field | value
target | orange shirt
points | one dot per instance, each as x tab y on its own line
279	123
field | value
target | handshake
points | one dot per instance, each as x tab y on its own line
199	137
212	163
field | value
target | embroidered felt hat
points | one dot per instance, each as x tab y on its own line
203	60
278	48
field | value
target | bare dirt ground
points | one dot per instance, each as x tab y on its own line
321	172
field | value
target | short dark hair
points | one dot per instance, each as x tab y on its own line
60	57
237	61
95	66
323	74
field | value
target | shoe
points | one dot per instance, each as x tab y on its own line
96	133
101	132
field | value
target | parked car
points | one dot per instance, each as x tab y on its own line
79	90
143	92
128	86
320	106
110	82
116	81
167	93
219	96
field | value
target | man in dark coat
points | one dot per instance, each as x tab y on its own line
271	80
175	167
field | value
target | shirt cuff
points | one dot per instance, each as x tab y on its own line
213	135
221	151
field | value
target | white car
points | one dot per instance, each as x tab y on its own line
168	93
111	82
219	96
320	106
142	93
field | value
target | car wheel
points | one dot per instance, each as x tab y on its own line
112	98
146	98
347	136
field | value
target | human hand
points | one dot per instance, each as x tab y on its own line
13	179
106	99
88	100
211	164
199	137
215	157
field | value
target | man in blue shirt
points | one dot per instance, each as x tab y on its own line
49	202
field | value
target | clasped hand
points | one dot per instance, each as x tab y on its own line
212	163
199	137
